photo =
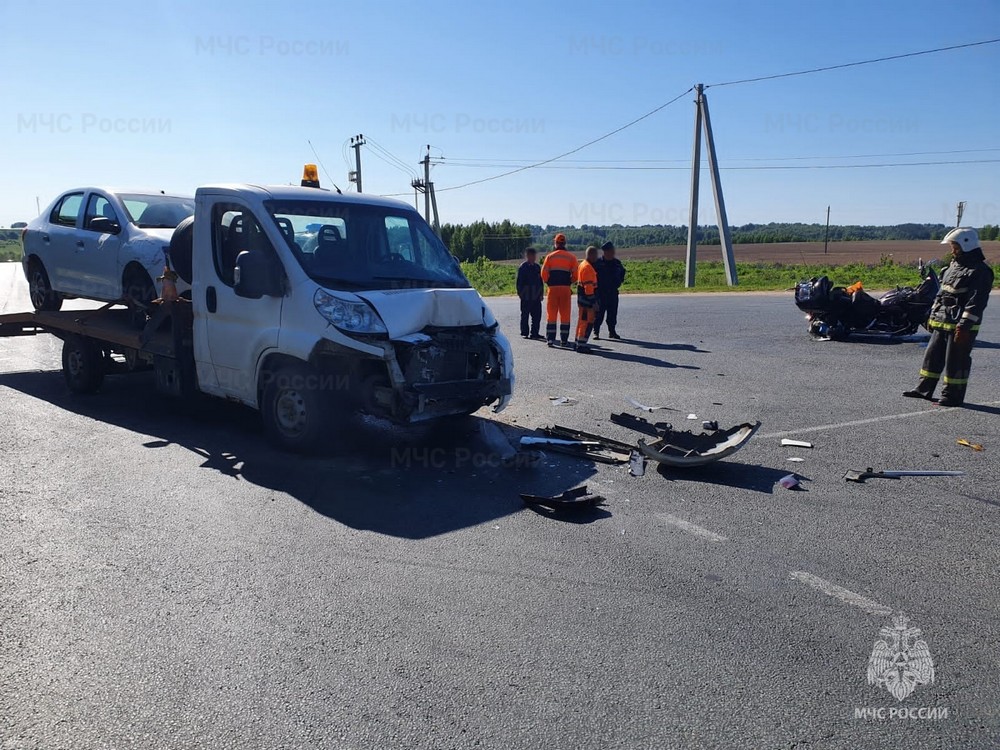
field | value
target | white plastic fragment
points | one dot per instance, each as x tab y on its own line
642	406
561	400
796	459
692	416
796	443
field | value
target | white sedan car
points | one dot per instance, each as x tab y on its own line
100	244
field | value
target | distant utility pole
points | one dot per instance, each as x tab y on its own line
703	121
826	237
961	210
426	187
357	141
38	206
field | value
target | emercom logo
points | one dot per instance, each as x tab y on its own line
900	662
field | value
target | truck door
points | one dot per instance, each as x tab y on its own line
238	330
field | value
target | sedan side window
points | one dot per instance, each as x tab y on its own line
99	207
67	210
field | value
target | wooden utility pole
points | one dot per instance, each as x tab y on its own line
961	210
702	120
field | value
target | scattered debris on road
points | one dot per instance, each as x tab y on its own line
692	416
561	400
644	407
975	446
686	449
577	498
796	443
653	429
637	464
789	481
869	473
795	459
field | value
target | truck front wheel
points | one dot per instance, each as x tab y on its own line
83	364
297	409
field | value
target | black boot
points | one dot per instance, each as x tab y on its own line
613	334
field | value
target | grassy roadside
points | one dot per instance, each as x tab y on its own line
9	250
493	279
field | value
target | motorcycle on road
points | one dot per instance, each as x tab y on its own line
835	312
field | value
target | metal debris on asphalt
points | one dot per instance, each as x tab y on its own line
869	473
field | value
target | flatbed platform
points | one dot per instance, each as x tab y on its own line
109	325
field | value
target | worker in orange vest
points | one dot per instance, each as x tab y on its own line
559	273
586	299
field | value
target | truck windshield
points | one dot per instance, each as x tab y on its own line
365	247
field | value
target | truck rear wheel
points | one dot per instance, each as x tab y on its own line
83	364
296	409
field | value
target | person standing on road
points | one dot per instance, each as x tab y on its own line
530	290
610	277
955	319
587	289
559	273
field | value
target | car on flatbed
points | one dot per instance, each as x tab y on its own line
100	244
307	305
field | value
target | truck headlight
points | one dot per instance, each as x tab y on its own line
348	315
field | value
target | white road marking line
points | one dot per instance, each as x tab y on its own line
838	592
691	528
860	422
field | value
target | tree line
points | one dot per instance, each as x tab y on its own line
505	240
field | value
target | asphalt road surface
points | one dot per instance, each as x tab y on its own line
170	581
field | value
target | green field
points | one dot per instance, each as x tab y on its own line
668	276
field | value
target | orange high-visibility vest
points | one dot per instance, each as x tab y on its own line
587	279
559	268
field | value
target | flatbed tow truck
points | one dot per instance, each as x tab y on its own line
304	304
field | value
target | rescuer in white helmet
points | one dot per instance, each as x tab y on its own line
955	319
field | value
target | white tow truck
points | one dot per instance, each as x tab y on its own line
307	305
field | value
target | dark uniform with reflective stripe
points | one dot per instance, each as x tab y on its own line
965	290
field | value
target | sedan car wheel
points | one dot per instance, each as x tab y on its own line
40	290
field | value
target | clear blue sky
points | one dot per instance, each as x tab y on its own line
173	95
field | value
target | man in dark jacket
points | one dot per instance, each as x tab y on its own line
955	319
530	290
610	276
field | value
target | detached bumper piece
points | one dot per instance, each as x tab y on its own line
577	498
587	445
687	450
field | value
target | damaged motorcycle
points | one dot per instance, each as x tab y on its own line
835	312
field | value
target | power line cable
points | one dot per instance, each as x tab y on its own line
612	168
854	64
567	153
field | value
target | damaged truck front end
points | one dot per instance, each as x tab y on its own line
436	372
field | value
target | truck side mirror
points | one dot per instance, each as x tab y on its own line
257	275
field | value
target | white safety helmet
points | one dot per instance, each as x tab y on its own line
966	237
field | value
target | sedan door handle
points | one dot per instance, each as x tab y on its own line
79	244
45	238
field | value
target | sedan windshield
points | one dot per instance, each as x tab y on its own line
157	211
365	247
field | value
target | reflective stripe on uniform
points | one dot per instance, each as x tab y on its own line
955	381
930	375
970	316
941	325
